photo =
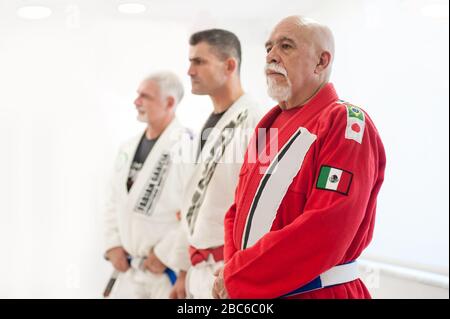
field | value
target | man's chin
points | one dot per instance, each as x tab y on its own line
141	118
279	93
198	92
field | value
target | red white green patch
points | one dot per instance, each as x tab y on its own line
334	179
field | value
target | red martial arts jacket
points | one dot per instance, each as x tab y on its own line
308	205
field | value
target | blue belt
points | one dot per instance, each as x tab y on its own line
172	275
169	272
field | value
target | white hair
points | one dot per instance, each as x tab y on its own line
280	93
169	84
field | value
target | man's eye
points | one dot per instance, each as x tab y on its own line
286	46
268	49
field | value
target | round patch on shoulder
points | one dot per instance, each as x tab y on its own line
356	128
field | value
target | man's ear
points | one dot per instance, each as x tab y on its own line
231	65
170	102
324	62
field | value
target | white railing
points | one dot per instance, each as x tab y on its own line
410	274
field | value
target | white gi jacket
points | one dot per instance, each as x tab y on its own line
145	217
210	190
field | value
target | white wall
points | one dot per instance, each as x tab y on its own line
67	85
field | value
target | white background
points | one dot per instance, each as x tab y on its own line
67	84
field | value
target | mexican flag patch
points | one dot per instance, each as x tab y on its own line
334	179
355	123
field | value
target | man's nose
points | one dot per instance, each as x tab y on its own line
272	56
191	71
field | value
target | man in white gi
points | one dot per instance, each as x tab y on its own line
215	58
141	221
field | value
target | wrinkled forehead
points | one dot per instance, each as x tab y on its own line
149	85
289	30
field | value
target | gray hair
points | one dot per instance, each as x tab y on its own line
169	84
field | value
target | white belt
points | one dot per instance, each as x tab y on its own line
337	275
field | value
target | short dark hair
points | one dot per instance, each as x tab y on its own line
225	43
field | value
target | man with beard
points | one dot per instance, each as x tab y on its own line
141	221
299	223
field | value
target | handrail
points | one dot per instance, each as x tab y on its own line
420	276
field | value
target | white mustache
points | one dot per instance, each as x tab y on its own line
275	68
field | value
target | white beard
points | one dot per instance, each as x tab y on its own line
142	117
280	93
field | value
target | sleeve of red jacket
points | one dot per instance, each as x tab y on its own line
229	248
332	229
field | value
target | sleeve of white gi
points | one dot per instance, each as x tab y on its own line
173	249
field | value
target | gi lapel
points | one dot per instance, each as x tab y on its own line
124	163
144	193
211	154
268	186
